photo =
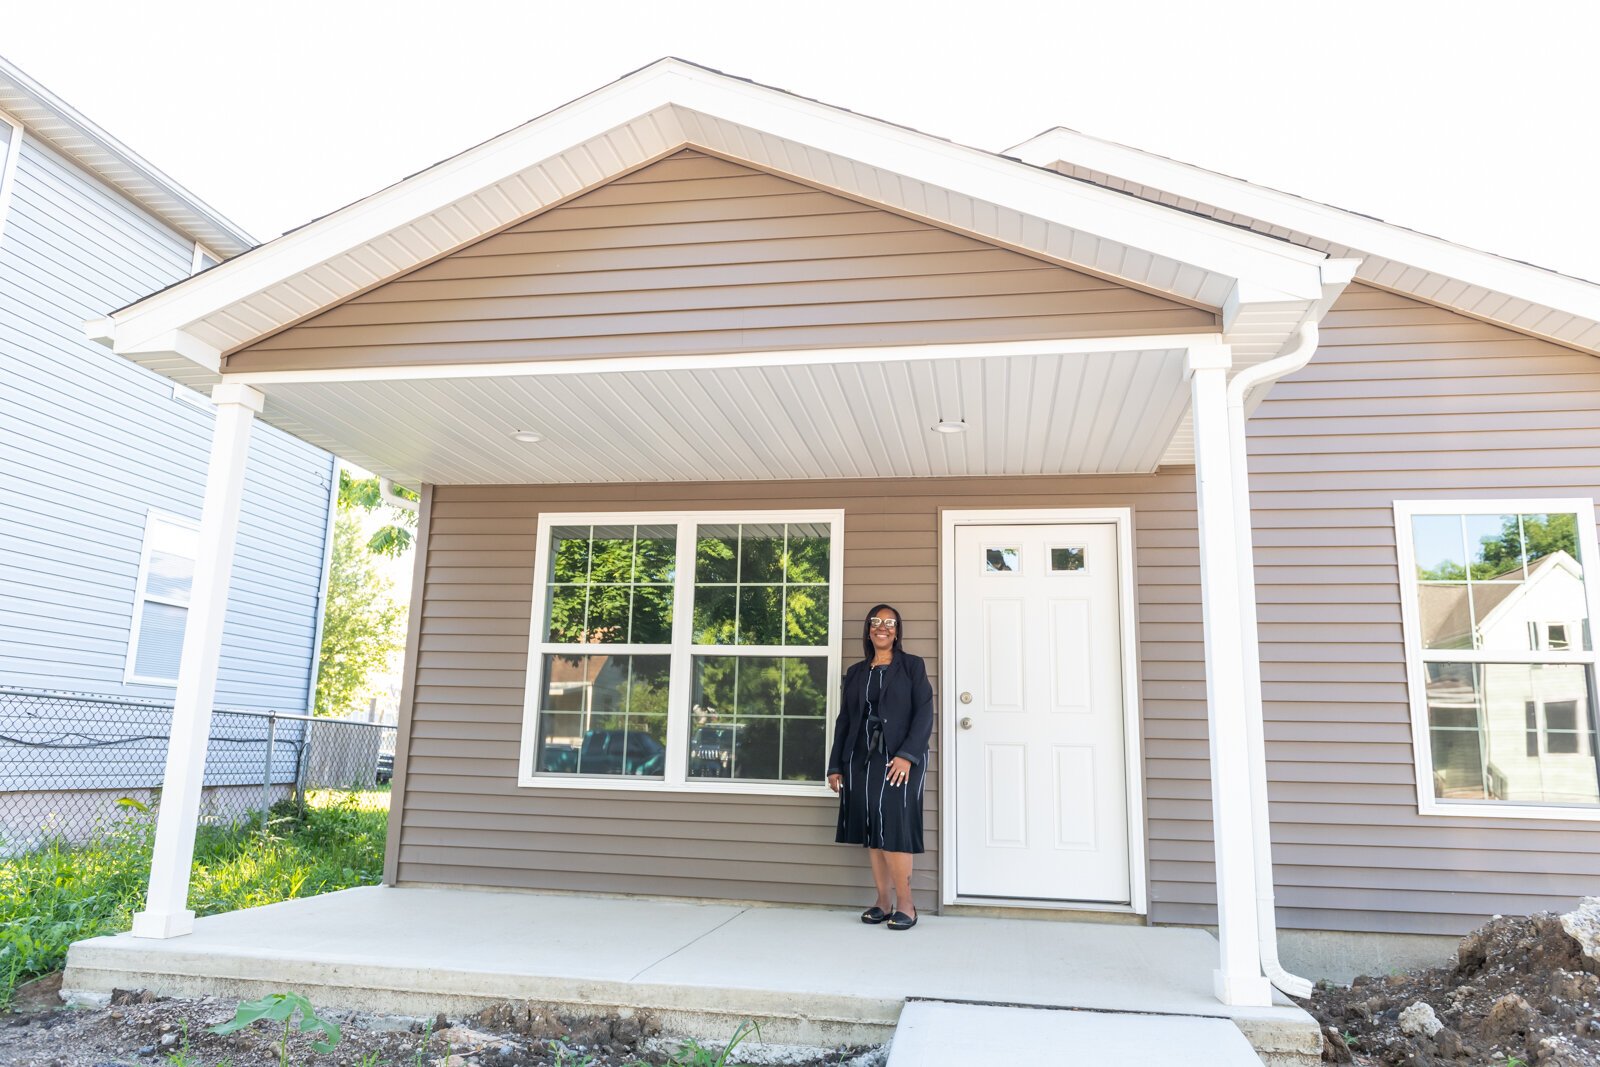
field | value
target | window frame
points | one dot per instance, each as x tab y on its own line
1417	657
10	153
141	594
676	778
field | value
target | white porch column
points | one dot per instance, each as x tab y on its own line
166	912
1238	980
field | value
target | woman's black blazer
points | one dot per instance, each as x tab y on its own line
906	707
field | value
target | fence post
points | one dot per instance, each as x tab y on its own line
266	784
302	767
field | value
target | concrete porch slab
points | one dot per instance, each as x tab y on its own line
809	975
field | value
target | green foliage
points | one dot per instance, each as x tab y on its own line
693	1054
60	893
362	625
282	1008
367	494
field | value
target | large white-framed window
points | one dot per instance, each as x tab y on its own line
1498	603
161	599
687	651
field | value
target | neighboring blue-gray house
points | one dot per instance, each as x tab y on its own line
102	468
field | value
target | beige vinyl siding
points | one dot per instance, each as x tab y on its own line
1402	401
464	819
696	254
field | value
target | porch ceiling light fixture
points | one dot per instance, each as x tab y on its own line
949	426
527	437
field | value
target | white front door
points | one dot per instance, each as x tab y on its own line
1041	779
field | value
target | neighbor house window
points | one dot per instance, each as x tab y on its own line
684	651
1499	602
161	600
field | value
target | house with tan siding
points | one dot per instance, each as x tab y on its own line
1199	500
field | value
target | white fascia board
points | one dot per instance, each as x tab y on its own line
1232	252
1370	236
725	360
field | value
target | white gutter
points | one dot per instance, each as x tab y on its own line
1255	728
386	490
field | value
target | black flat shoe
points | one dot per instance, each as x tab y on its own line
901	921
874	915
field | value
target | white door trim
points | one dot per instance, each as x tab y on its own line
949	519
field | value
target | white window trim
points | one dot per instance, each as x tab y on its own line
676	779
130	674
1410	616
8	167
194	261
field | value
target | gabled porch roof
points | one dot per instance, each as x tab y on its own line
1262	291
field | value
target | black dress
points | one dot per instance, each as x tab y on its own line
874	812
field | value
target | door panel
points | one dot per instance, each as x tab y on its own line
1040	791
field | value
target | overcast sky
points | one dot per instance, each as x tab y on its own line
1473	121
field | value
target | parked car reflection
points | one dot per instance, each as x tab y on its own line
606	752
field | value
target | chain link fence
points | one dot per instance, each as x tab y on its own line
67	759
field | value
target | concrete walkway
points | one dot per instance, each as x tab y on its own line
958	1035
809	975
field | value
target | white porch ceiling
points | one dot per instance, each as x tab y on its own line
1080	413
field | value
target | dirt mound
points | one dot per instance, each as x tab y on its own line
1523	990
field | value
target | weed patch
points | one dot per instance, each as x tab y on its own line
60	892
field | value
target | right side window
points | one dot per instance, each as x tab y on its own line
1499	634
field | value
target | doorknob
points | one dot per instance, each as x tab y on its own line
966	722
966	698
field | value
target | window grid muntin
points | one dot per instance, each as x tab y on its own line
829	525
1407	513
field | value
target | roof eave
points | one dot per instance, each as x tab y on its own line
1518	295
55	122
675	92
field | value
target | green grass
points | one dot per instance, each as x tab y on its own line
61	893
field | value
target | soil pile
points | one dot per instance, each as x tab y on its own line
1522	990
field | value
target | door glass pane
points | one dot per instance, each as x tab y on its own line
1002	559
1066	558
603	715
1479	720
758	718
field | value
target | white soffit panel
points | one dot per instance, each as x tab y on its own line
1516	295
1097	412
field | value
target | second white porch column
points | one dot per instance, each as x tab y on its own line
1238	980
166	909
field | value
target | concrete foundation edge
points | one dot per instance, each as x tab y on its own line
706	1014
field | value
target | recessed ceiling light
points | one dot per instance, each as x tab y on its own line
527	436
949	426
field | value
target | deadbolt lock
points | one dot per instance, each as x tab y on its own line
966	698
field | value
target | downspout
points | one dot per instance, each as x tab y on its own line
1255	730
